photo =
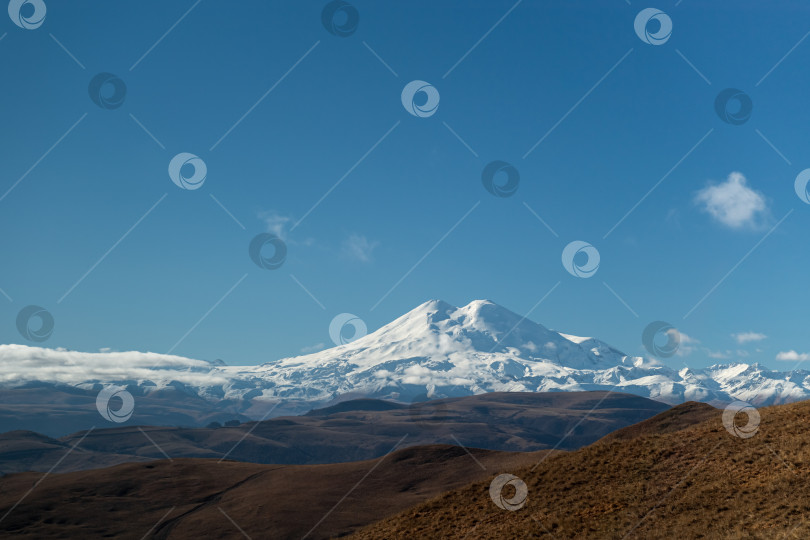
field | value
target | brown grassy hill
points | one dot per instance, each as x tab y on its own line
28	451
701	482
195	498
675	419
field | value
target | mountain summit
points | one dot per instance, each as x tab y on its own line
435	350
436	332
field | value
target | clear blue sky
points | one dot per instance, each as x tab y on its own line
332	107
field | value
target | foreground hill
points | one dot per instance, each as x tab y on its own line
699	482
193	498
675	419
351	431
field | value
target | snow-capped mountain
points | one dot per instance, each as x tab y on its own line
437	350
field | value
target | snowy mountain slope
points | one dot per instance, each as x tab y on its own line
436	349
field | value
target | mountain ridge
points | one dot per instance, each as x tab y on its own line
435	350
350	431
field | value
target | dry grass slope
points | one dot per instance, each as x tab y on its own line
701	482
186	498
675	419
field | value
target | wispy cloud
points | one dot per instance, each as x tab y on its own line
279	224
687	344
276	223
313	348
673	218
792	356
359	247
733	203
748	337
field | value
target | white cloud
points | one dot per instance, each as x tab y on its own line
313	348
279	225
747	337
686	344
733	203
417	374
22	364
359	247
276	223
792	356
689	345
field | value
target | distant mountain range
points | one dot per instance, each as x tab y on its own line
434	351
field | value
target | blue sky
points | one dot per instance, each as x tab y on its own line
617	116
